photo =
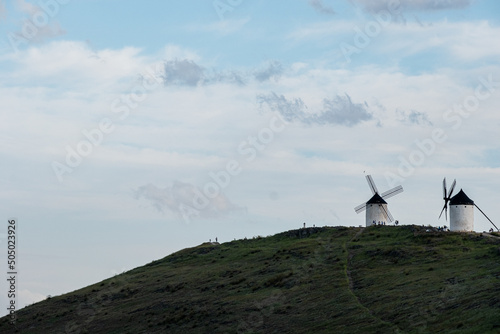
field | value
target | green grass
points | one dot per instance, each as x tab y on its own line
318	280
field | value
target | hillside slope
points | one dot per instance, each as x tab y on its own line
379	279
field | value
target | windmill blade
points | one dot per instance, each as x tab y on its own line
452	188
360	208
372	185
445	208
392	192
486	217
444	188
383	211
386	212
391	218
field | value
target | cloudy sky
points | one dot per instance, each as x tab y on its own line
130	130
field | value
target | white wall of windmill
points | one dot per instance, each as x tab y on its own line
462	217
377	213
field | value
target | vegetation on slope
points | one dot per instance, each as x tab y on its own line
379	279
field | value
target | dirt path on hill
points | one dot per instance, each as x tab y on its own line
349	258
350	282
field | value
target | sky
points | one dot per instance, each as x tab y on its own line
130	130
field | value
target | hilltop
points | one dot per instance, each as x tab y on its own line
380	279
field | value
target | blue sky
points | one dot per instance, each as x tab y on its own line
130	130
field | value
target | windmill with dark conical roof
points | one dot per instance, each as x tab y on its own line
461	210
376	207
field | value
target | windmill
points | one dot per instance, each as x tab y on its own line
376	207
461	210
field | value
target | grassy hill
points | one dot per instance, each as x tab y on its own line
380	279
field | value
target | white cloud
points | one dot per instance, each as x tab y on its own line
61	62
473	41
455	41
188	201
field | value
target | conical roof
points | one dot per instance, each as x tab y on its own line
461	199
376	199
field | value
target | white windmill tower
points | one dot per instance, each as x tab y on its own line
461	210
376	207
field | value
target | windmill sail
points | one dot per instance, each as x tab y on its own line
392	192
447	197
444	188
445	208
452	188
387	214
371	184
360	208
